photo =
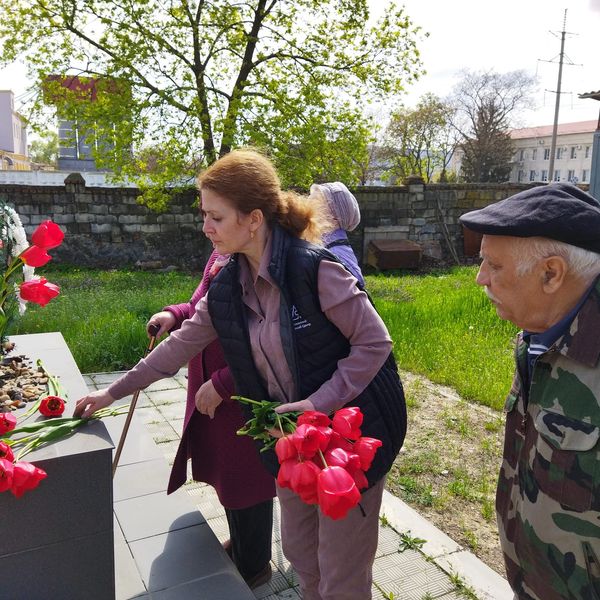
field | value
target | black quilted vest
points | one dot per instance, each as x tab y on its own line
311	343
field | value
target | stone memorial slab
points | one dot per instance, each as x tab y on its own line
57	540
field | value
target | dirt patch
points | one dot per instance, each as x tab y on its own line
448	467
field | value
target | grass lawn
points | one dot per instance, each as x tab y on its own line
442	324
445	328
102	314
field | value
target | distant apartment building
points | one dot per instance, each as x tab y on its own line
13	135
573	158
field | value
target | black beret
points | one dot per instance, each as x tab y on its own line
559	211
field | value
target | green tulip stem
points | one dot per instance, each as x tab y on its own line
32	410
26	450
323	459
279	424
246	400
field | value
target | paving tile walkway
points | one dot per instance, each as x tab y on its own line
440	569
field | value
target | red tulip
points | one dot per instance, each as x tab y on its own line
366	448
341	458
337	441
347	422
308	439
313	417
25	477
6	474
337	492
285	449
8	422
304	481
47	235
6	452
52	406
360	479
285	472
38	290
35	256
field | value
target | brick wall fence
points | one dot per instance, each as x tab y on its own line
107	227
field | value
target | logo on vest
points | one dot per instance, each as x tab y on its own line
298	321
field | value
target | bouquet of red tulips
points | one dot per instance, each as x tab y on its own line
322	460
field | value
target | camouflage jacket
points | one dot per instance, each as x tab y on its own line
548	498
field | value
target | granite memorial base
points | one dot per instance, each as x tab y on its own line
56	541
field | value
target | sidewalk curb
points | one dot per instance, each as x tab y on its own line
445	552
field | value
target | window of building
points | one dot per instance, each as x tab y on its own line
521	176
531	175
546	153
571	176
573	152
559	153
534	154
587	151
544	175
585	174
556	174
521	154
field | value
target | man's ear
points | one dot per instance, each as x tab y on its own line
554	273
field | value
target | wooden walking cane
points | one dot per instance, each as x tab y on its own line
153	330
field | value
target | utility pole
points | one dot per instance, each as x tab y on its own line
558	93
557	105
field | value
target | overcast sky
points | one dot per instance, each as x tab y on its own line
504	36
510	35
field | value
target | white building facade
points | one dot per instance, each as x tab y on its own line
573	156
13	135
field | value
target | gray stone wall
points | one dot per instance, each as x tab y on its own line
107	227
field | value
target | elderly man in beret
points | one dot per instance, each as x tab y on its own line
540	265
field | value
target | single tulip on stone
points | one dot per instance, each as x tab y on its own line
52	406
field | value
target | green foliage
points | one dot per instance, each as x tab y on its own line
420	141
409	542
265	418
414	491
196	78
44	150
445	328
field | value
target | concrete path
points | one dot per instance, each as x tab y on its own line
439	568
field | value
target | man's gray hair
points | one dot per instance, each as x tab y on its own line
582	263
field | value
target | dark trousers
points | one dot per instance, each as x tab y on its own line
250	530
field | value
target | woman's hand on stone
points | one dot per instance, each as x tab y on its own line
207	399
94	401
164	320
